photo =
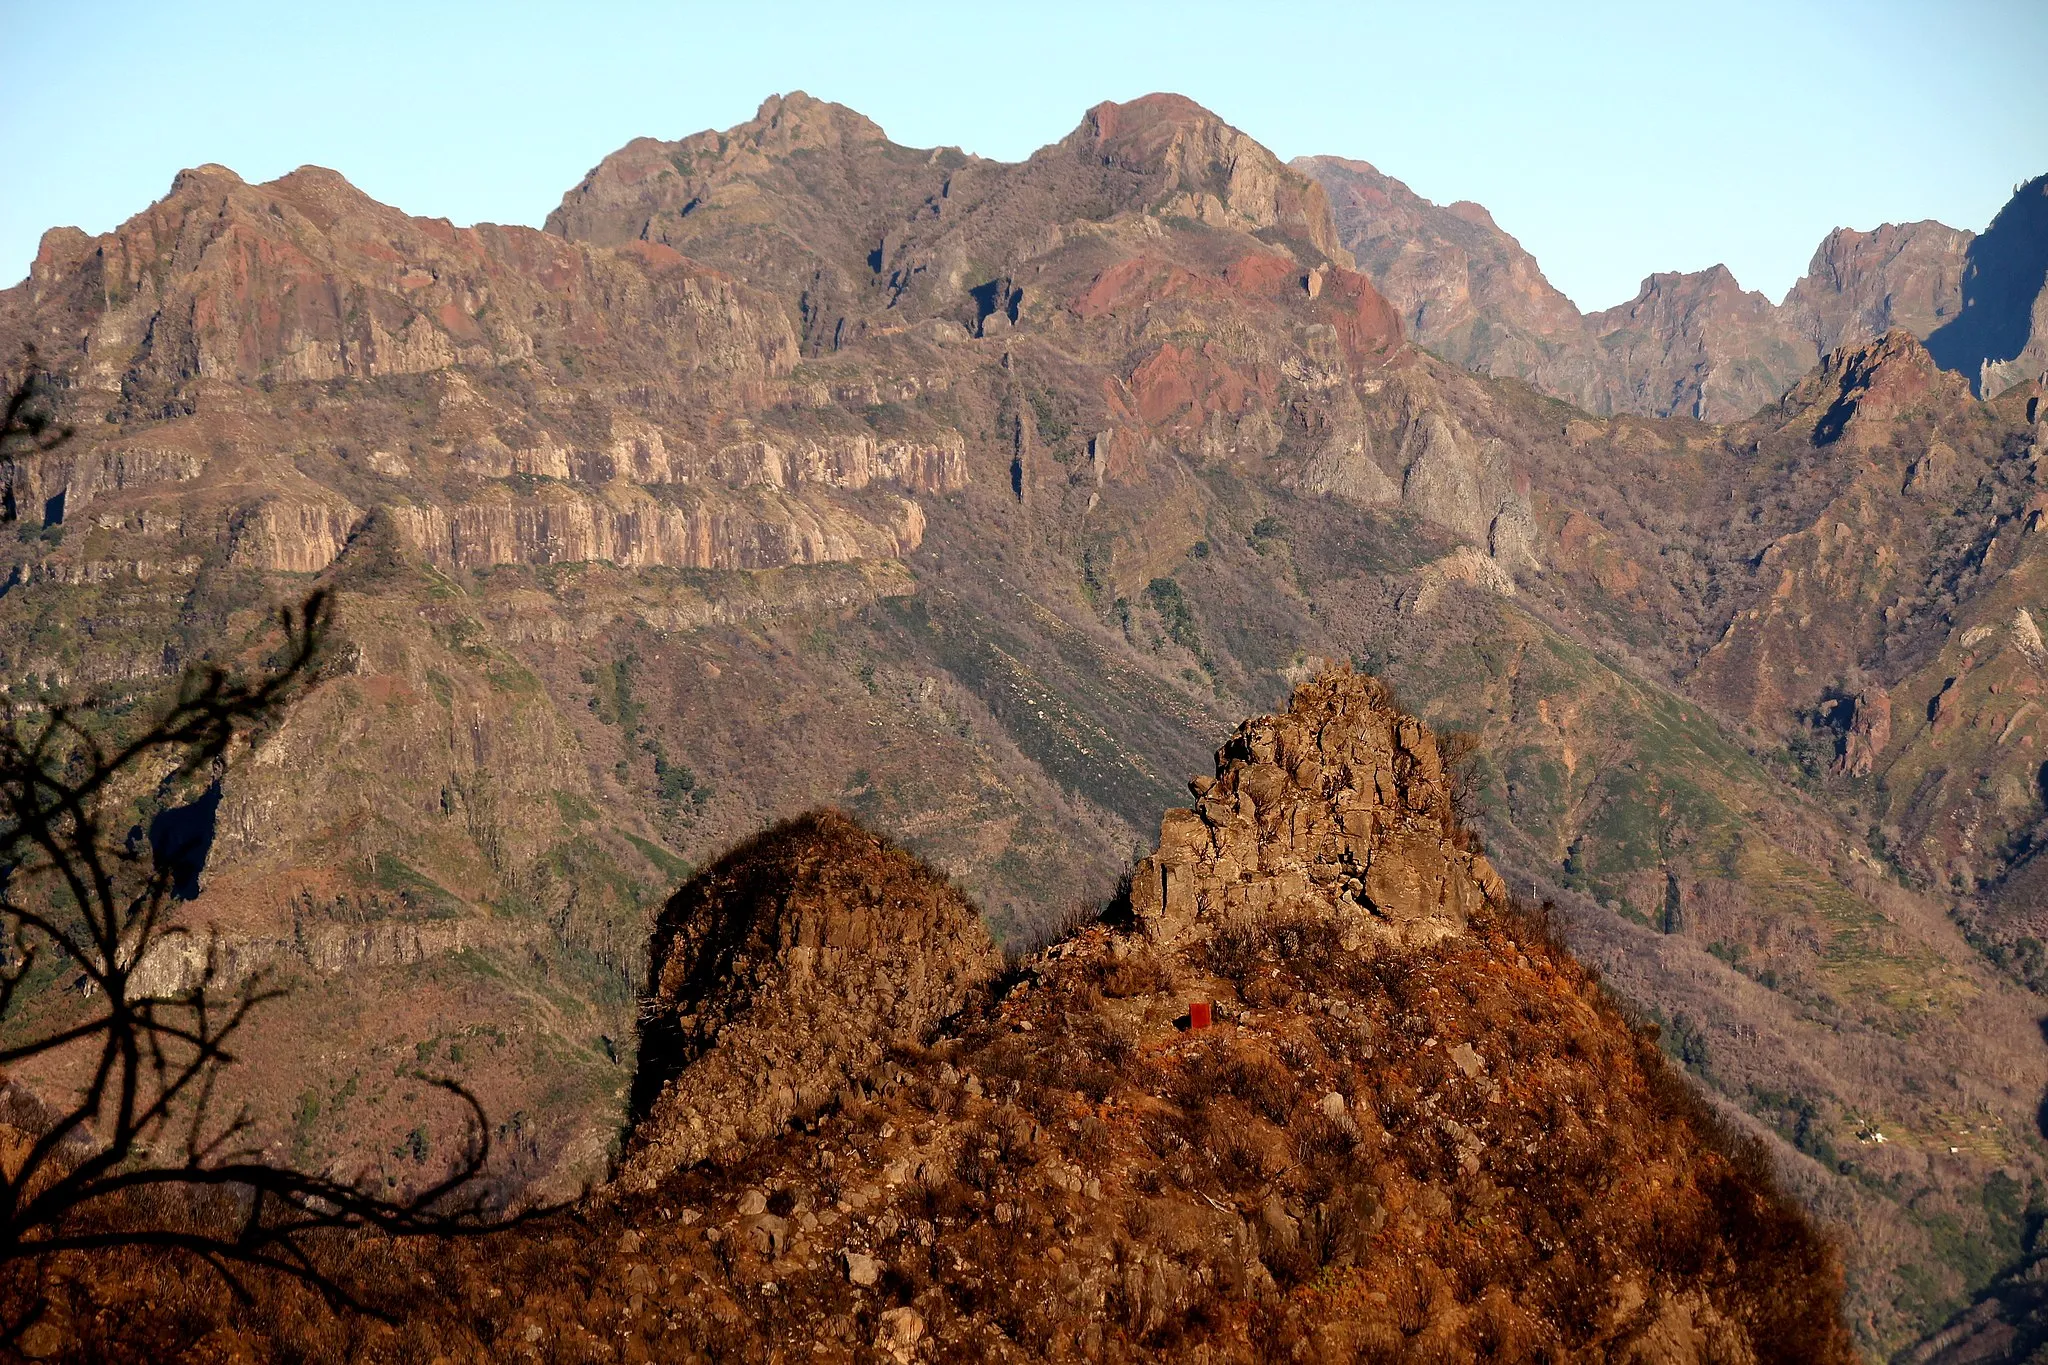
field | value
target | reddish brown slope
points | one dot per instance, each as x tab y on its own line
1391	1146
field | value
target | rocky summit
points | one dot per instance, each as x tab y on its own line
1340	808
788	967
1265	1132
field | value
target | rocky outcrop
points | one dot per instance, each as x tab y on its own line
781	975
1466	486
1858	389
1339	807
852	462
1870	730
222	962
634	530
291	535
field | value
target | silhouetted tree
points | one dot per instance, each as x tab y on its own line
136	1154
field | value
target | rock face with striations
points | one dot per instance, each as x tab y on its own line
1860	285
783	972
1340	805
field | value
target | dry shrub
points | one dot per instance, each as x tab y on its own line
1259	1081
1492	1217
1140	971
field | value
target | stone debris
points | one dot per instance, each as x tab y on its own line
902	1331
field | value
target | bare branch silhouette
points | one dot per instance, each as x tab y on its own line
138	1155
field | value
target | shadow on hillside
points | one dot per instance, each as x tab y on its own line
181	840
2003	275
720	928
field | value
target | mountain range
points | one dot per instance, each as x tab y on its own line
1698	344
791	467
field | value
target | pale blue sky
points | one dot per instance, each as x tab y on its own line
1613	139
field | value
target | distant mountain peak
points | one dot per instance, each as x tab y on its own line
1195	152
795	120
209	173
1467	291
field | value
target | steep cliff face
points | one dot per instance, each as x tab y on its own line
1423	1146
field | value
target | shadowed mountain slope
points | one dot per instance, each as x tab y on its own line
1999	336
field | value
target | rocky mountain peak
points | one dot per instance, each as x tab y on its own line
1338	809
691	192
781	974
1697	343
1717	282
1207	169
785	123
212	175
1476	214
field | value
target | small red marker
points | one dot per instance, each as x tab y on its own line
1198	1014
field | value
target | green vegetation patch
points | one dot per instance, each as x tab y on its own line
421	894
